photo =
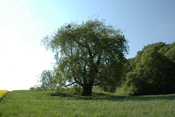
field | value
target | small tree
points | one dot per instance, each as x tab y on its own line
87	52
48	80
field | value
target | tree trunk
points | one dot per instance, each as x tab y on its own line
87	90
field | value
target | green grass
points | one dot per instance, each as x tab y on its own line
42	104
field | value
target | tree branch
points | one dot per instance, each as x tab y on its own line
70	84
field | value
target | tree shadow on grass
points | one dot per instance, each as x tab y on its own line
110	97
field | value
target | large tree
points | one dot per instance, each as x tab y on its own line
88	52
152	70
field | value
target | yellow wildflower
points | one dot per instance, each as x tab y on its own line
2	93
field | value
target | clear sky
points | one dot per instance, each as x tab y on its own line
23	23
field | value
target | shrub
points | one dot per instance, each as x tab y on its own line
32	89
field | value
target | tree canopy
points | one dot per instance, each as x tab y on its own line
152	70
88	52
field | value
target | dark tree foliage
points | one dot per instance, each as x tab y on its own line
156	46
130	65
87	53
169	51
153	72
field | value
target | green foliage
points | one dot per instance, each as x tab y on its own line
156	46
153	72
129	65
169	51
37	88
48	80
91	51
32	88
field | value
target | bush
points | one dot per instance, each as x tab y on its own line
36	88
32	88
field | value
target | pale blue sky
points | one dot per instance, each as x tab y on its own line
23	23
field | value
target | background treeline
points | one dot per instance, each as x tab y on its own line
152	71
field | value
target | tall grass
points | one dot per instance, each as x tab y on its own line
100	104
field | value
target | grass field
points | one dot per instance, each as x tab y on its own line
42	104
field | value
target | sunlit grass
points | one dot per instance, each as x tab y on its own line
100	104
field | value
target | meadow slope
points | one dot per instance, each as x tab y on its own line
41	103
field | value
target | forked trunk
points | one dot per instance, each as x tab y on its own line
87	90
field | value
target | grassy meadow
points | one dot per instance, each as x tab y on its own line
100	104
